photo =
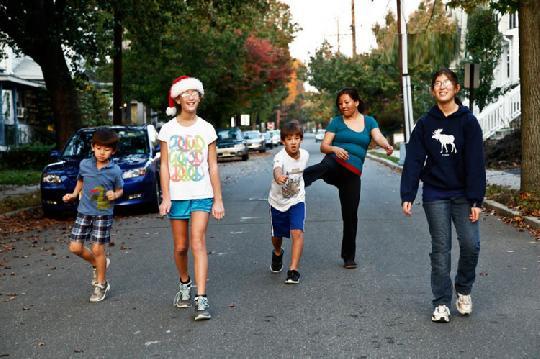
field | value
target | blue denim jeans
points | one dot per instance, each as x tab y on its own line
440	215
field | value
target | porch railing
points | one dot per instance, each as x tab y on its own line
498	115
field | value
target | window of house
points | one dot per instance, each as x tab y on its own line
512	20
508	63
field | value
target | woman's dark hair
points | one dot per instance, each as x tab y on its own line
291	128
353	94
104	136
451	75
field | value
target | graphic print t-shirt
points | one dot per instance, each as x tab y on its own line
188	158
282	197
96	183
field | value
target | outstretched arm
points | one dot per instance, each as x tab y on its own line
381	141
71	196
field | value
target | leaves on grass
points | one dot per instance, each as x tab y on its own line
30	220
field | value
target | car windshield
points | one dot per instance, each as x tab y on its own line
251	135
228	135
131	141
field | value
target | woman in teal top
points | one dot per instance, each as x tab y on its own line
345	143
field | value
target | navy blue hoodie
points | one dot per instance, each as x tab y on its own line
447	154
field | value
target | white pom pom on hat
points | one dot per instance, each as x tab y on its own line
179	85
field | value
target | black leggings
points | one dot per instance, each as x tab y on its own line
348	185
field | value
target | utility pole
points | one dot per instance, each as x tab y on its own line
353	30
338	35
117	66
404	70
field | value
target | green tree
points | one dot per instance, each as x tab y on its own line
484	46
529	71
45	30
239	51
432	44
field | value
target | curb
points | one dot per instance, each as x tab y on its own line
17	211
502	210
499	208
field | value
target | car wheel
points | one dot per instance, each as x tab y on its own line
263	149
245	157
157	195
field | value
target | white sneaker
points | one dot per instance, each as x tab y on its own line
464	304
94	272
441	314
99	292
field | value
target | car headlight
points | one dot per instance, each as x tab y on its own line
48	178
136	172
239	147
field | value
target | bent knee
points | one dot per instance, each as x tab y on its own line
76	248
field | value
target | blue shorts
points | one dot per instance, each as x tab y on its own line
95	229
182	209
284	222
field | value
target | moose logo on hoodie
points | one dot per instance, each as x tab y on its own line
445	140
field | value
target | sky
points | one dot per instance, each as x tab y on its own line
319	21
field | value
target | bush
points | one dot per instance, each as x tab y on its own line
33	157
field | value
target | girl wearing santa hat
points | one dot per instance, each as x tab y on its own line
191	187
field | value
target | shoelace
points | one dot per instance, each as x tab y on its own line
202	303
465	299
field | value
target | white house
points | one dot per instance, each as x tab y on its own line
20	77
507	108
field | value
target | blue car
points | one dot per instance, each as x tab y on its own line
137	156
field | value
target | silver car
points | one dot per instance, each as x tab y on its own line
255	140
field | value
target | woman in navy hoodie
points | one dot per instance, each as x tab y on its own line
445	151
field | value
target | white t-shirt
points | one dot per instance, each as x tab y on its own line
282	197
188	158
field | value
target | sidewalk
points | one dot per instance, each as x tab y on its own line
509	178
14	190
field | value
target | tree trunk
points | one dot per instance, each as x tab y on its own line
529	72
64	97
117	68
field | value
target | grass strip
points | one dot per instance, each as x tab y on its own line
20	177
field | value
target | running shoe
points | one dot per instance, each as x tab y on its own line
441	314
202	308
182	299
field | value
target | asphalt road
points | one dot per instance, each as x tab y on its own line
380	310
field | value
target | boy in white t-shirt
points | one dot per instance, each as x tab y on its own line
286	198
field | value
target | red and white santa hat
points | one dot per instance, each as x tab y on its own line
179	85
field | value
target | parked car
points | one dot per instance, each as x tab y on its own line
255	140
276	137
137	156
231	143
319	135
268	139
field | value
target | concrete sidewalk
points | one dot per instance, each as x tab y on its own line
508	178
15	190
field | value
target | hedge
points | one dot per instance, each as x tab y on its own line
26	157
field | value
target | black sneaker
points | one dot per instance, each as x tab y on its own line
277	262
349	264
293	277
